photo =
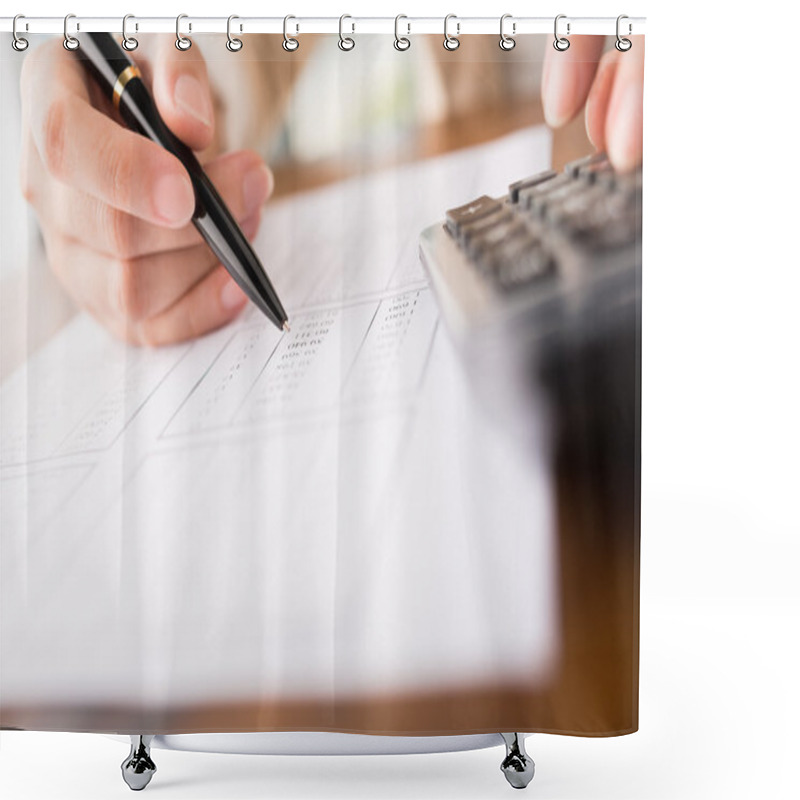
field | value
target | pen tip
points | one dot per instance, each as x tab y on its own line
286	326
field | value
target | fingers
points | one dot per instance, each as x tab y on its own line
211	303
81	146
141	288
613	96
155	300
242	179
599	96
115	208
182	93
567	77
127	290
623	128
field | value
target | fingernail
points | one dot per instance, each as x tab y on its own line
174	199
231	296
545	87
594	131
557	92
191	97
256	187
624	130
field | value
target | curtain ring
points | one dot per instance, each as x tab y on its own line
290	44
561	43
346	43
233	44
451	42
128	42
181	41
623	45
506	42
401	43
18	43
70	42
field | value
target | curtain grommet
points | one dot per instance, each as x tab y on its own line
182	42
451	43
561	43
623	45
346	43
19	43
70	42
401	43
233	44
128	42
507	42
290	44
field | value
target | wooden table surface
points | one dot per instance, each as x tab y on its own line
455	133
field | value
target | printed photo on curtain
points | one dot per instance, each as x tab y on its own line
320	401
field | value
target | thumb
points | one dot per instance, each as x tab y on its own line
182	93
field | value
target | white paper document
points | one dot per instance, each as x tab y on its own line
257	514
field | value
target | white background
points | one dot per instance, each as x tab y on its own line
720	605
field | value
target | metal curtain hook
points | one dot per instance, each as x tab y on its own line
401	42
561	43
623	45
290	44
18	43
346	42
233	44
451	42
181	41
70	42
506	42
128	42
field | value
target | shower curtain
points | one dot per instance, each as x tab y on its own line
211	524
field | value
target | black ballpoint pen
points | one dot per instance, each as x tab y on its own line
111	67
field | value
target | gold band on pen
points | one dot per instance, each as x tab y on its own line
128	74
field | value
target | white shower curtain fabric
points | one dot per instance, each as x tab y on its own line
238	528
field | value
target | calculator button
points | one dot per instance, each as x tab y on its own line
464	215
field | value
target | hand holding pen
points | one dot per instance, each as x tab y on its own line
115	209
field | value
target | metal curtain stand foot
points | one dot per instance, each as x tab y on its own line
517	766
138	768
